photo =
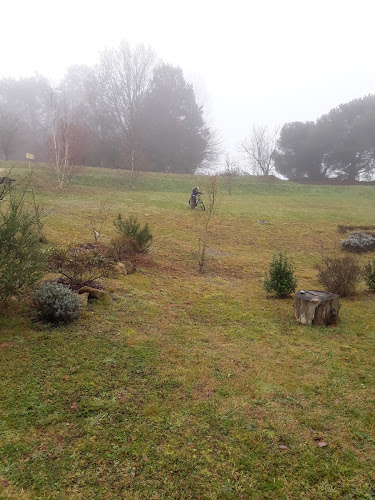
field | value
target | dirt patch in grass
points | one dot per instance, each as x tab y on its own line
5	345
345	229
214	252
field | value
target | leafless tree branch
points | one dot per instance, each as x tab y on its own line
258	149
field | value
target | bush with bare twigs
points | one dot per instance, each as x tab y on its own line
80	266
339	274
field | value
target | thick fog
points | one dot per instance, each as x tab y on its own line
264	62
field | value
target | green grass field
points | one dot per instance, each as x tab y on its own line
181	385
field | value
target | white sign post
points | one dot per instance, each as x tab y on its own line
29	157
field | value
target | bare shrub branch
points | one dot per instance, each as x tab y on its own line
212	193
231	171
339	274
99	217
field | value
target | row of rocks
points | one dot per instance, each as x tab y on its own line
87	292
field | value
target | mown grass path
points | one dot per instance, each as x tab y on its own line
183	385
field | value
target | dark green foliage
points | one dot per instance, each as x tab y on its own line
174	135
22	127
339	274
22	259
136	239
339	144
369	275
348	138
299	155
5	186
80	266
280	278
57	303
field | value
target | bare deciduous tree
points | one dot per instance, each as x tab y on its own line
231	171
40	213
60	138
211	191
258	149
125	75
10	125
97	220
214	150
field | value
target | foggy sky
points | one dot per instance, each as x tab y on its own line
266	61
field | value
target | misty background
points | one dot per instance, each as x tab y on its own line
251	63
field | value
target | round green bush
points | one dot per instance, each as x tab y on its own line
57	303
135	239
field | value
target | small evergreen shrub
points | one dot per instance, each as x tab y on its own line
57	303
22	258
339	274
359	242
136	239
369	275
280	278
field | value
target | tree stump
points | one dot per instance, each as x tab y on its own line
312	307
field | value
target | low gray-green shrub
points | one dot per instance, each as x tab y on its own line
280	279
136	239
56	303
369	275
358	242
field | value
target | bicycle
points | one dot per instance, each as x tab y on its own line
198	203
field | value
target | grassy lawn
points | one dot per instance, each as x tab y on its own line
181	385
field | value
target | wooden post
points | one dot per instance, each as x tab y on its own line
312	307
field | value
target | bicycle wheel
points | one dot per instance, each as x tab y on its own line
202	206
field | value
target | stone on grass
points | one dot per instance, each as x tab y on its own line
83	297
130	268
121	268
94	293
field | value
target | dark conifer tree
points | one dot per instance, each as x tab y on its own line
174	134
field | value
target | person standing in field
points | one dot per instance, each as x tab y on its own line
193	197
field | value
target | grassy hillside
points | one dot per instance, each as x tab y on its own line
181	385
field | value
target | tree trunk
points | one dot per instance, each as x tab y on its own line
313	307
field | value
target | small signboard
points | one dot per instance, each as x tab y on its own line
29	156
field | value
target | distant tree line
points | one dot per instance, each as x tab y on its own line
129	111
339	144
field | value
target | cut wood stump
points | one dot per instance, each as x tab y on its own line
312	307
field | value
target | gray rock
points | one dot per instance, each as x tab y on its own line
130	268
93	293
83	297
121	268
